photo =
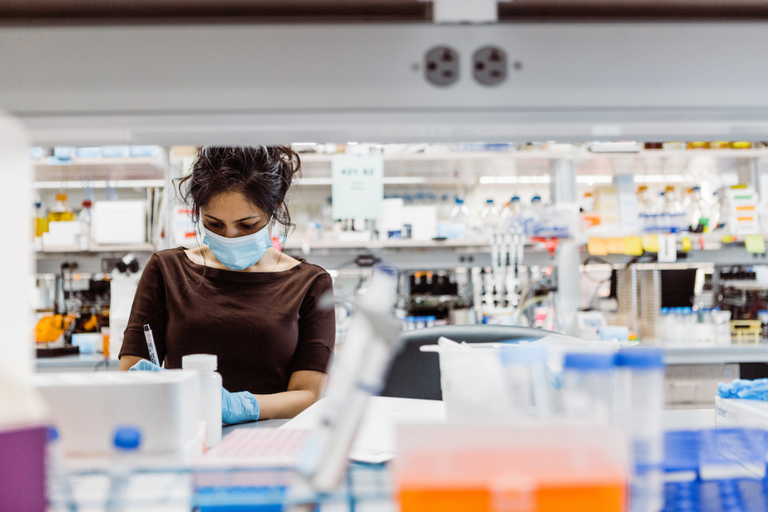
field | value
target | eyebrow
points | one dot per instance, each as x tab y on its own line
238	220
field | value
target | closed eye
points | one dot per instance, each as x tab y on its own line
250	226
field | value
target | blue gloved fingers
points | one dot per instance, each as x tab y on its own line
146	366
238	407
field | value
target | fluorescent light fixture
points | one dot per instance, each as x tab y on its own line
660	178
315	181
99	184
394	180
499	180
591	179
304	144
352	143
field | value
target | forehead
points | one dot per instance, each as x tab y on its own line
232	204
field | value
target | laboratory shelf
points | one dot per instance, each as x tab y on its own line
94	248
709	354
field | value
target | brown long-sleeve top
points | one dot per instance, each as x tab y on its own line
262	326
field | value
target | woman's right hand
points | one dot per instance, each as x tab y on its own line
146	366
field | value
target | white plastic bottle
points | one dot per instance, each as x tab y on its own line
489	217
85	225
210	393
640	409
126	443
460	215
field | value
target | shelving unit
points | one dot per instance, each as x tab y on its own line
135	177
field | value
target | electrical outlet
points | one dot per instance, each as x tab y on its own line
489	65
441	66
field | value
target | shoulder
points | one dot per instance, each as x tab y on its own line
166	260
318	281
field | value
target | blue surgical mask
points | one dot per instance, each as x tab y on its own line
241	252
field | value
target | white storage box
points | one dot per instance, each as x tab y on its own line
87	407
119	222
741	413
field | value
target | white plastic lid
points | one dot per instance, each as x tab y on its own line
203	362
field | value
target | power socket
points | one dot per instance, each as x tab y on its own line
489	65
441	66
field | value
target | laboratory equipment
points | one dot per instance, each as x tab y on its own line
587	386
151	345
164	405
639	409
359	371
210	393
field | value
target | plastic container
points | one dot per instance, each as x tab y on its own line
473	384
210	393
541	467
60	212
489	217
639	414
85	225
57	485
587	386
126	443
526	380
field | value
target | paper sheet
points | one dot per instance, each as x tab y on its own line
375	441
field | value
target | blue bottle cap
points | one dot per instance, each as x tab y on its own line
489	201
127	438
459	200
515	198
588	361
640	358
53	434
536	198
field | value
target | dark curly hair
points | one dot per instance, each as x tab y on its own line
263	174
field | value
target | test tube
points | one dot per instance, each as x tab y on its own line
639	410
587	386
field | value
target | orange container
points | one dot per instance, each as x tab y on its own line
551	467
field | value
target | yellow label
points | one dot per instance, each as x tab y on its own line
686	244
615	245
633	246
755	243
651	243
596	247
727	239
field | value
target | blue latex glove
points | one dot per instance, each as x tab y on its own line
146	366
238	407
750	389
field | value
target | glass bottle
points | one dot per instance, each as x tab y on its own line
60	212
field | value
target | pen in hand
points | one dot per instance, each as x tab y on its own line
151	345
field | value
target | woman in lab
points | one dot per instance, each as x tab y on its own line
268	317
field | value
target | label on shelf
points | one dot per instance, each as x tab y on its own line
755	243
